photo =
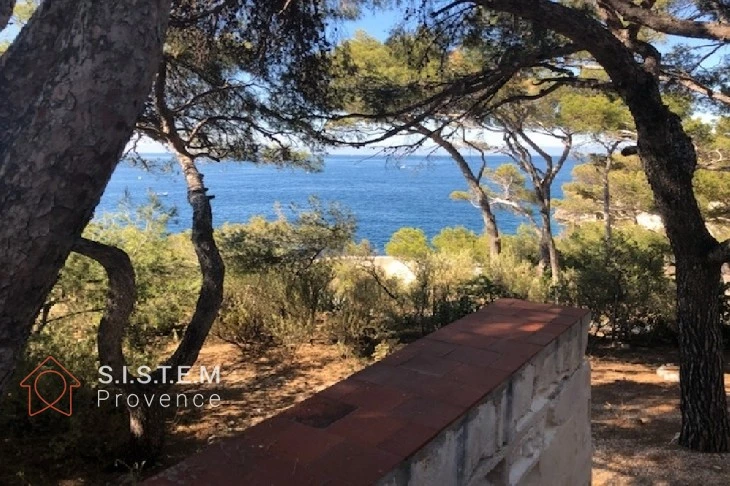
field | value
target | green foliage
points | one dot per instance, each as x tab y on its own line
365	307
456	240
508	190
280	275
713	194
519	278
524	245
261	244
625	285
594	114
409	244
630	193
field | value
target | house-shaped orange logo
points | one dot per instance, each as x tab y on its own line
50	387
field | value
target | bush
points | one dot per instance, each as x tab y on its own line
409	244
366	306
456	240
524	245
280	274
625	285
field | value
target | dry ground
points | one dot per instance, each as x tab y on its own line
635	413
252	391
635	418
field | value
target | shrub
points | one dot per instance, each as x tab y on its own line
279	275
524	245
409	244
625	284
456	240
366	306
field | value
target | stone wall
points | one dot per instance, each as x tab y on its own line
534	429
499	397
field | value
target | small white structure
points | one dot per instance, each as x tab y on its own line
394	268
650	221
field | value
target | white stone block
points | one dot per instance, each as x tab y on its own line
572	394
522	392
481	430
439	465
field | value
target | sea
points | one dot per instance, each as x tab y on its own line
383	193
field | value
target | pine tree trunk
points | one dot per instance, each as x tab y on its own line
670	161
66	111
490	228
607	219
703	400
549	243
147	426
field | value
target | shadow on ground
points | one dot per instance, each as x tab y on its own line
635	418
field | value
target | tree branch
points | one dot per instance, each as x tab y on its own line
670	25
6	12
721	253
692	84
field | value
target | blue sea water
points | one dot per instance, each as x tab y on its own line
383	194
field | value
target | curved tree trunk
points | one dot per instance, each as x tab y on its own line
211	264
146	424
120	301
548	243
67	111
490	221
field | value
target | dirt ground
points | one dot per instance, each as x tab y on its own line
252	391
635	419
635	413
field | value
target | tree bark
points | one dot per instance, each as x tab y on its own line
147	427
211	264
703	402
6	11
490	225
549	242
146	424
607	218
72	83
120	301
